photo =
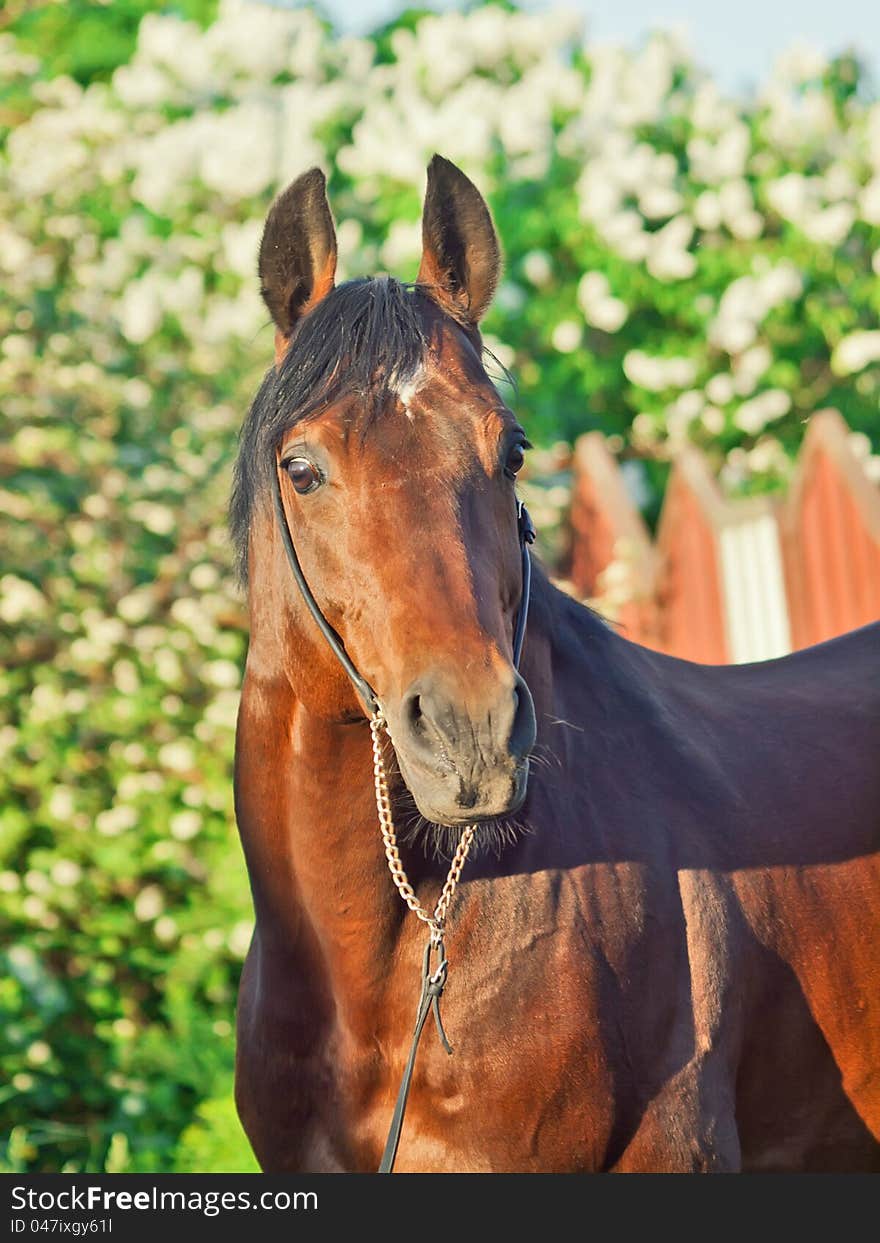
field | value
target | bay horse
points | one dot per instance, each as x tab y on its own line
664	950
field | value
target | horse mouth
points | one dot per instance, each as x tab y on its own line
450	802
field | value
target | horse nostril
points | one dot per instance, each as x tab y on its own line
412	713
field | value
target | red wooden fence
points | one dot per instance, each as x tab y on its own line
731	580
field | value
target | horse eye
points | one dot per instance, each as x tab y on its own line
303	475
515	461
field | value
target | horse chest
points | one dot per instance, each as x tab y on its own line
553	1058
528	1087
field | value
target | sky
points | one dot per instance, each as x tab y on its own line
737	41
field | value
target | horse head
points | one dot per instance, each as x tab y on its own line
396	460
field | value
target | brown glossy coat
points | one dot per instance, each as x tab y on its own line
676	968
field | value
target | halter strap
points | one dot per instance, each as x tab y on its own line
361	685
526	530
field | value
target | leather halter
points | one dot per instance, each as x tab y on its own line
526	530
433	981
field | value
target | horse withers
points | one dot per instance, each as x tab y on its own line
664	950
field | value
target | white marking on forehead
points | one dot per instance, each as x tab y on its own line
406	390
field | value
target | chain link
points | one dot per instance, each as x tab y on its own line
436	921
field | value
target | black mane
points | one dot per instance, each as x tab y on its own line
365	335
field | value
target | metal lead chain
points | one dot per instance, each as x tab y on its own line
389	838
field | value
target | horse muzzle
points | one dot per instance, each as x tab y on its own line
464	762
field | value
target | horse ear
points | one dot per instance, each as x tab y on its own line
461	261
297	254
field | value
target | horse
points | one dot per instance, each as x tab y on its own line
663	952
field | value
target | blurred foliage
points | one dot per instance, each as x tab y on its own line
214	1141
679	267
88	39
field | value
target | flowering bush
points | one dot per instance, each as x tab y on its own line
680	266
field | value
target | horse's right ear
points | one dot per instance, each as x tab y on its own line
460	256
297	254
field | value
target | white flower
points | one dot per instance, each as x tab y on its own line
747	300
869	201
240	243
688	405
125	677
713	420
537	267
767	455
668	258
831	225
239	938
782	283
623	232
183	293
39	1053
737	208
222	673
592	288
725	156
227	318
66	873
223	710
403	245
149	903
24	960
599	307
567	336
20	599
177	756
657	202
720	389
802	62
161	39
658	374
142	85
710	113
15	251
707	210
61	803
185	825
609	314
204	576
140	311
789	195
855	351
598	193
116	820
37	882
155	517
136	606
752	416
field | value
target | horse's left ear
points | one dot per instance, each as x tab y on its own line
297	254
461	261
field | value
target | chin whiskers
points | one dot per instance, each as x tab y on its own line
544	757
440	841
